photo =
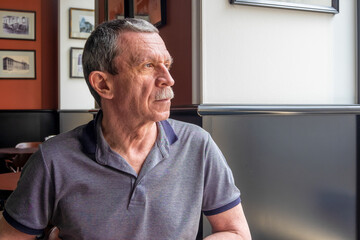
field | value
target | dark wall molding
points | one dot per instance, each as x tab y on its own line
358	52
27	126
209	109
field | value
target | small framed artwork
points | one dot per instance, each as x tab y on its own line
17	64
153	11
326	6
17	25
81	23
144	17
76	69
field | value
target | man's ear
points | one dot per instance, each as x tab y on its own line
102	84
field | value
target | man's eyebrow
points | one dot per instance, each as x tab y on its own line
136	59
170	59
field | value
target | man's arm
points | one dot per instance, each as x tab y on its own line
230	224
7	232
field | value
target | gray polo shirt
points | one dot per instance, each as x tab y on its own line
78	183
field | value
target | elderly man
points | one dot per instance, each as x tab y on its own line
132	173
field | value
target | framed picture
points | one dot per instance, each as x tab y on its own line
153	11
81	23
327	6
19	25
145	17
76	69
17	64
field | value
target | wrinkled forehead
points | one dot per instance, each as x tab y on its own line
143	45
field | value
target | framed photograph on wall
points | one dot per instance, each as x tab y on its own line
76	69
327	6
153	11
81	23
19	25
17	64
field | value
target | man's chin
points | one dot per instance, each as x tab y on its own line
165	116
161	116
161	111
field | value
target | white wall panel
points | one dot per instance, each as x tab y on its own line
74	93
260	55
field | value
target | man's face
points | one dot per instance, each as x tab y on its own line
142	89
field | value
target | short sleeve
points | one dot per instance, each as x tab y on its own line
220	192
29	207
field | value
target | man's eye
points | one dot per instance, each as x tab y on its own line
149	65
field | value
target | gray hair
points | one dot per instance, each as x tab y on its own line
101	47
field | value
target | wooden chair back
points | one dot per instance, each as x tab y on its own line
53	234
18	161
27	145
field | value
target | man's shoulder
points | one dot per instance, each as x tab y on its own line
177	124
185	129
65	140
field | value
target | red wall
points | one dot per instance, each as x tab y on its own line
40	93
49	56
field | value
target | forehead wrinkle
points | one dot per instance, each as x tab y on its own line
142	50
154	56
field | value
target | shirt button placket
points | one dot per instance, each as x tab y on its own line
138	196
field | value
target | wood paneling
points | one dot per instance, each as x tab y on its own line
27	126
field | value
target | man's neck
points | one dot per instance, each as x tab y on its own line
131	139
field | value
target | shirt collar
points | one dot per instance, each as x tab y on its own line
169	131
92	137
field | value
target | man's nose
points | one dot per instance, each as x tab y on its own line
164	78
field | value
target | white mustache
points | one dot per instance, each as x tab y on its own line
165	93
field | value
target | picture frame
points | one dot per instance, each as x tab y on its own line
153	11
76	70
18	25
327	6
17	64
144	17
81	22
